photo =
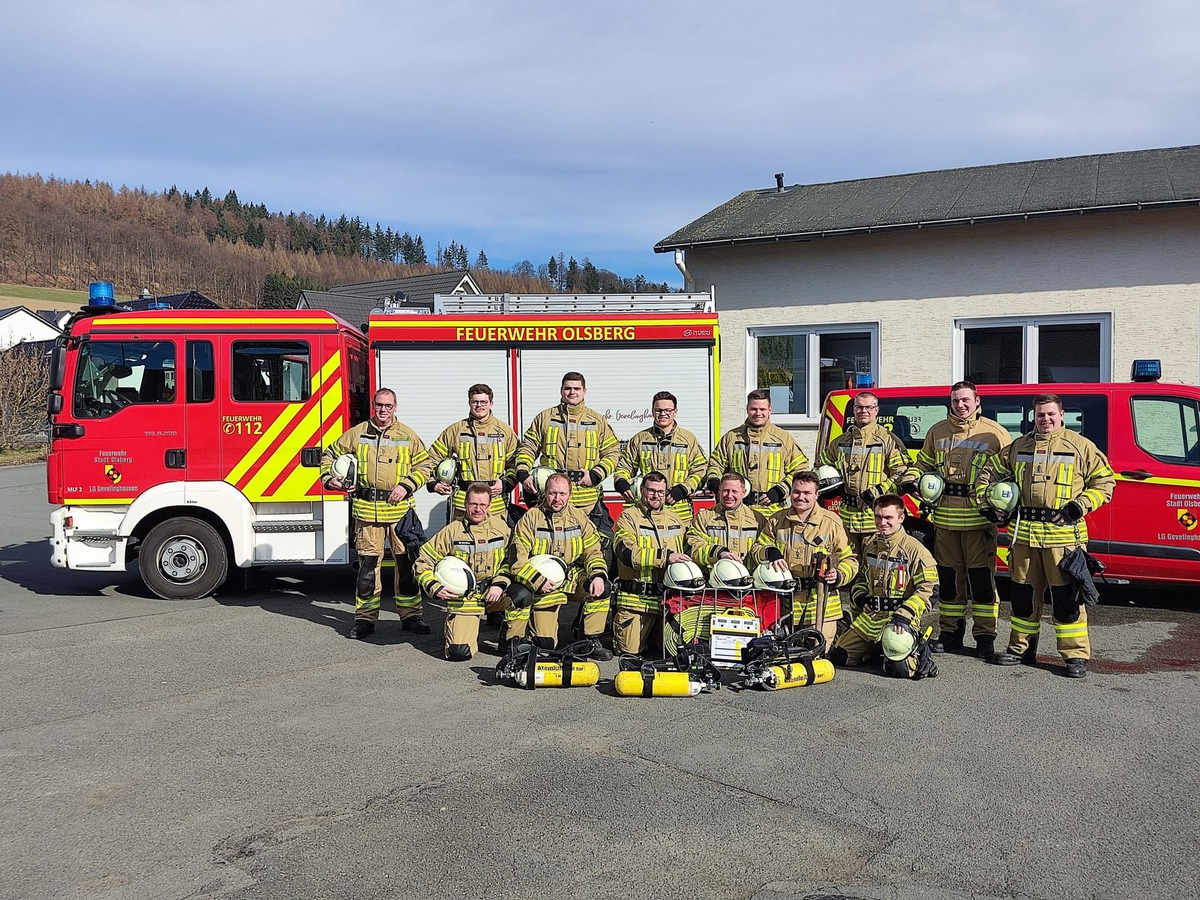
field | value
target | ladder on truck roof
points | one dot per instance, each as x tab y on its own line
501	304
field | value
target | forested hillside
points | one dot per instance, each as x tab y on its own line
64	234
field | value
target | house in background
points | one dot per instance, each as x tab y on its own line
354	302
1045	271
19	325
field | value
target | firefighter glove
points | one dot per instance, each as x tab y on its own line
776	494
622	485
992	515
1069	514
679	493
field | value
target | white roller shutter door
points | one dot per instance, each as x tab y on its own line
431	392
620	383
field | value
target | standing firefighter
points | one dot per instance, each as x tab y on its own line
871	461
391	464
810	544
578	442
480	540
944	475
894	586
664	448
1061	476
477	448
727	530
765	454
649	537
556	529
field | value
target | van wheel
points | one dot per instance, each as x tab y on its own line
183	559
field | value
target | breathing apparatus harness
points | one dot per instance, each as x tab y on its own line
771	656
568	665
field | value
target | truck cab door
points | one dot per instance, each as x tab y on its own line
127	424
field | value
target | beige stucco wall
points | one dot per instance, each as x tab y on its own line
1143	268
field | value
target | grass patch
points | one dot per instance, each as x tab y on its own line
19	456
53	295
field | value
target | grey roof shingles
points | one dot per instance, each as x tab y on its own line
1043	187
354	302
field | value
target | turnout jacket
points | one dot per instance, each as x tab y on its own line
676	454
768	457
386	458
896	578
570	439
867	457
484	449
484	547
717	529
958	449
1052	470
643	539
569	535
789	537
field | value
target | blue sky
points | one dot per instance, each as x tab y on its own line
526	129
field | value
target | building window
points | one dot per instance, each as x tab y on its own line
1041	350
799	366
1168	428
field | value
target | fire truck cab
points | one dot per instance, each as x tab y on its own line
192	440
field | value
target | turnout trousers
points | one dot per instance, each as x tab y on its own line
966	564
1033	571
370	539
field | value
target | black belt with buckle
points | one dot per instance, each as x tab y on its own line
374	494
956	490
575	475
884	604
1037	514
642	588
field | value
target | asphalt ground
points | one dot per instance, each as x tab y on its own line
242	747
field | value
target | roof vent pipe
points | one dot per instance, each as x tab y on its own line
779	189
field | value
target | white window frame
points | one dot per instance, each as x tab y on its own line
813	380
1029	344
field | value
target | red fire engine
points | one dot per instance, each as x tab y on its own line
191	440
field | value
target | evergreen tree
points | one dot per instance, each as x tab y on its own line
552	271
481	260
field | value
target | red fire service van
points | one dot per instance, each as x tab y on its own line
1149	431
191	440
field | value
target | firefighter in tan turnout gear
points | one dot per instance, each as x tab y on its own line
810	543
649	537
765	454
726	531
871	460
480	539
558	529
482	449
577	441
954	453
894	587
392	463
664	447
1061	477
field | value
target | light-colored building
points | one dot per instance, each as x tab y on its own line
1045	271
19	325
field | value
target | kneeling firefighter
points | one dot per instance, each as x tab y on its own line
894	587
556	528
480	540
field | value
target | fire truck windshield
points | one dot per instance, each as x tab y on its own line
111	375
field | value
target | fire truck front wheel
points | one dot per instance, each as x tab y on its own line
183	559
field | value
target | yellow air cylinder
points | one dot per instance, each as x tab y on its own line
663	684
550	674
797	675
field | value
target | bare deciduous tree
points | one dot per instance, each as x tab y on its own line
24	381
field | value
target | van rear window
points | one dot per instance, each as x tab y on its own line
910	418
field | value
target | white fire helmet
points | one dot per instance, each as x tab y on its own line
1004	496
685	577
769	578
553	569
930	488
828	479
729	575
446	472
451	572
345	467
